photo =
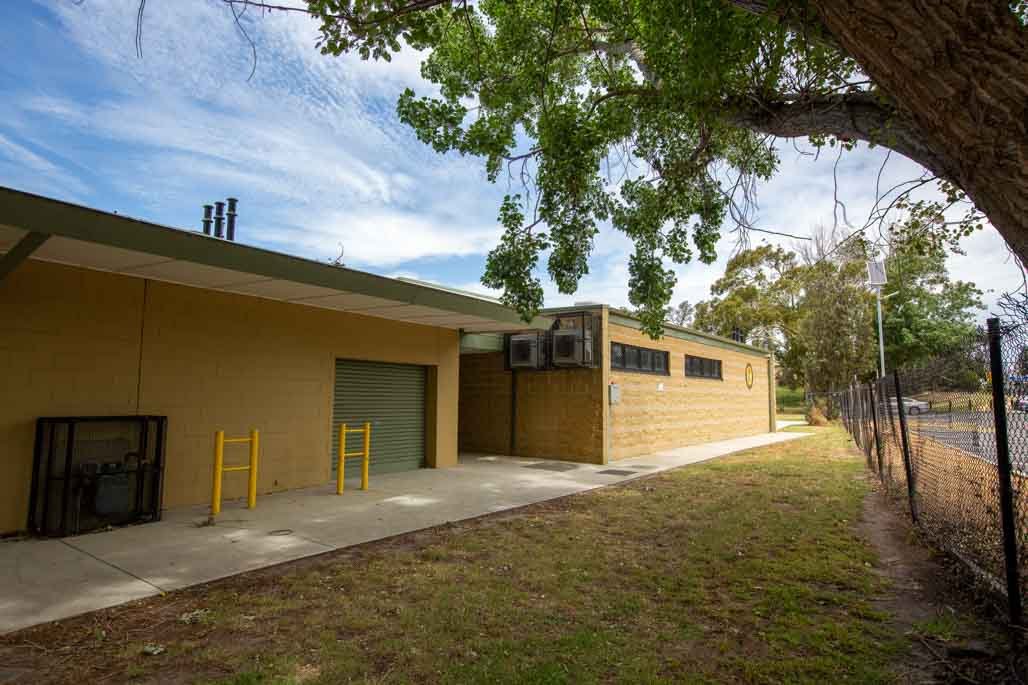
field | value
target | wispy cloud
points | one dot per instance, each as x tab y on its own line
310	145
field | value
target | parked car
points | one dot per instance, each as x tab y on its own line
912	407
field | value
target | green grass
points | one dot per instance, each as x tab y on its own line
744	569
790	400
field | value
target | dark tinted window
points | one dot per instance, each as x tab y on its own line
617	356
702	367
641	359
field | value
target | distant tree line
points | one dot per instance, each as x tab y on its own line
814	309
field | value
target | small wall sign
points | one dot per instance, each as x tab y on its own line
749	376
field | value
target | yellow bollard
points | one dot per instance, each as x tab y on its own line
367	455
341	464
219	462
251	490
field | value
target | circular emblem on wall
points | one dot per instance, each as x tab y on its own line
749	376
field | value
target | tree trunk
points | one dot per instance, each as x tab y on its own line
958	69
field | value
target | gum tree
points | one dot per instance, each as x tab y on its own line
659	116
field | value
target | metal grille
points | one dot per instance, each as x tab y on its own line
392	398
951	436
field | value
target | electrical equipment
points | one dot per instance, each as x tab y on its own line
527	351
572	347
91	472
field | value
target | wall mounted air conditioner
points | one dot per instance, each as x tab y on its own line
572	347
527	351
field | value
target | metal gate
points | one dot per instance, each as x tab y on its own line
392	398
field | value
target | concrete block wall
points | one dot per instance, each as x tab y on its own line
484	405
78	342
664	412
560	415
559	412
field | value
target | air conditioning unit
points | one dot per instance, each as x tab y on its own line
572	347
527	351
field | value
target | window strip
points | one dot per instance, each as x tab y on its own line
639	359
703	367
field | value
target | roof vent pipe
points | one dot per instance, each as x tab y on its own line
207	210
230	229
219	219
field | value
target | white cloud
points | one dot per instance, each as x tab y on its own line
38	172
384	238
311	145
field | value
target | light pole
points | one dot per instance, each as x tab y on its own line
877	280
881	335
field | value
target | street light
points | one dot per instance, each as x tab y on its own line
877	280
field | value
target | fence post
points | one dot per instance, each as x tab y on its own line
874	426
906	444
1006	496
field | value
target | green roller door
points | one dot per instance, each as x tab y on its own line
392	398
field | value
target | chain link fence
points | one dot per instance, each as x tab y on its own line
951	437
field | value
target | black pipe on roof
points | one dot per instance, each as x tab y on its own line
230	229
219	219
207	210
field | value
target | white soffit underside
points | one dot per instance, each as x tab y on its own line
99	257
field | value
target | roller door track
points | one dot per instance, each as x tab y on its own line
392	398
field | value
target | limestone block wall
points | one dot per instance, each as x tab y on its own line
664	412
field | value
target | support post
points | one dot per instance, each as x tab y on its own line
21	250
1006	496
874	426
906	445
341	463
881	334
365	465
219	463
251	486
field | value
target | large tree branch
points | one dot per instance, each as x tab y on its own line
957	71
852	116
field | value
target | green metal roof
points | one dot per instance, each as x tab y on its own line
54	218
619	318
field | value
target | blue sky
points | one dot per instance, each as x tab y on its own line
311	146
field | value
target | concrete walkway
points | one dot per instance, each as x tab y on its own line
783	424
46	580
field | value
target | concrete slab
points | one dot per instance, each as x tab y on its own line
49	579
780	424
45	580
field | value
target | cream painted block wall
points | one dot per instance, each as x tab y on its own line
688	410
70	345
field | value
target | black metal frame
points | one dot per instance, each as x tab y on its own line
667	359
720	368
46	432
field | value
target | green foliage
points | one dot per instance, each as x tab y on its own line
836	328
619	111
927	314
790	400
819	314
757	295
652	116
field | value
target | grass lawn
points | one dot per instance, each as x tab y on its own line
743	569
790	400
